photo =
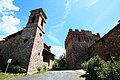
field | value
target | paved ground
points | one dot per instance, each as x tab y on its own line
57	75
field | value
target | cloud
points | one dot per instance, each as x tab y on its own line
92	2
8	24
57	50
8	21
52	38
67	9
7	6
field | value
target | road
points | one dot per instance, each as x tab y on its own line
57	75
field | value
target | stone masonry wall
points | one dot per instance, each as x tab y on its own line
76	44
25	45
108	45
8	49
36	59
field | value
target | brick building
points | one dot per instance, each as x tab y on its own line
80	46
27	47
76	45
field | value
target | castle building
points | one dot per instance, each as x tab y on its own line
27	47
76	45
81	45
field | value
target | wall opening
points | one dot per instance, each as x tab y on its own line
40	34
33	19
42	22
25	40
38	53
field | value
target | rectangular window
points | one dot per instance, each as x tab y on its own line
42	22
79	39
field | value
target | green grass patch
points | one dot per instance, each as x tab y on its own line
9	76
41	72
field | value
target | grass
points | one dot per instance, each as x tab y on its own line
10	76
41	72
6	76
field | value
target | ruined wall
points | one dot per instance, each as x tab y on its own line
108	45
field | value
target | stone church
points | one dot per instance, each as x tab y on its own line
27	47
81	45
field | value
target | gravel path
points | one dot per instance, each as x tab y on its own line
57	75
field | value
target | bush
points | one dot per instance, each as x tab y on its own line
16	69
101	70
22	70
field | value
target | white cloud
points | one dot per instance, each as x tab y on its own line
57	50
67	9
8	24
92	2
52	38
8	21
7	5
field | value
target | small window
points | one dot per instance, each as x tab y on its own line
25	40
33	19
79	39
40	34
42	22
38	53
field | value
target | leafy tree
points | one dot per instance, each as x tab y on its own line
61	62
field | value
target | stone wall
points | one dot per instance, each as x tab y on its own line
26	46
36	59
108	45
76	44
8	47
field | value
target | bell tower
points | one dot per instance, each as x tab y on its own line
31	42
37	18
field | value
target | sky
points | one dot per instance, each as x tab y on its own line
98	16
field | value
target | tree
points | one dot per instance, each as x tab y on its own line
61	62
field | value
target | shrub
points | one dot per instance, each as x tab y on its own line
110	71
16	69
22	70
98	69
